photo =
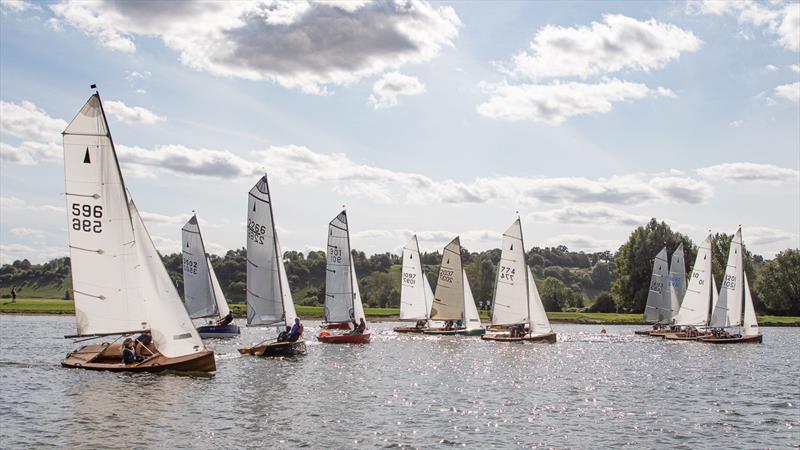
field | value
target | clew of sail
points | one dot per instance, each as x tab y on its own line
448	301
694	308
658	307
510	304
264	291
728	308
198	292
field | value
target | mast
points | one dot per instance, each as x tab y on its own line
278	257
113	150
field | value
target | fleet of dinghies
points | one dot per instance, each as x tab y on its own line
122	288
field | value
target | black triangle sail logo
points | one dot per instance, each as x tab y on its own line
86	158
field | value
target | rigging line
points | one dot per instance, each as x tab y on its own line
99	251
94	196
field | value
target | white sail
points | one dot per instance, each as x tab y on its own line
472	321
358	307
219	296
413	302
658	307
728	309
172	329
198	293
714	293
541	324
102	254
264	291
694	308
750	324
448	301
429	296
288	303
510	304
339	283
677	279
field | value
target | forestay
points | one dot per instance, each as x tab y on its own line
541	324
694	308
340	296
264	290
172	329
677	279
658	307
728	309
510	304
414	302
102	255
750	325
198	293
448	301
222	303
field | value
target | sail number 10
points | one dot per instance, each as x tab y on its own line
86	218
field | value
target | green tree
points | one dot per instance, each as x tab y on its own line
604	304
778	283
555	296
633	264
601	276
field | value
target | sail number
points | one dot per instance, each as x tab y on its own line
256	232
84	218
507	273
334	255
409	278
656	286
730	282
189	266
697	275
446	275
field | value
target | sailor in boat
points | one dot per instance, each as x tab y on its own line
420	324
297	330
283	336
225	320
143	341
360	327
448	325
129	355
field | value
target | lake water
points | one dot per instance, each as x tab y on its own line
587	391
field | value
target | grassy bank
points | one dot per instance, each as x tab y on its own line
49	306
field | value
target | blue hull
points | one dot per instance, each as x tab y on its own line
213	331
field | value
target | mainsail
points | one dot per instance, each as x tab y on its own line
510	304
340	284
677	279
694	308
265	303
198	292
448	301
658	307
415	303
728	309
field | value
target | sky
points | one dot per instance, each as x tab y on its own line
434	118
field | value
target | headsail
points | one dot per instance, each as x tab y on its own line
677	279
510	304
448	301
694	308
288	302
340	293
222	304
541	324
728	309
750	324
101	243
472	320
198	293
414	299
264	290
658	308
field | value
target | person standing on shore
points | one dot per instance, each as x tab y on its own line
13	295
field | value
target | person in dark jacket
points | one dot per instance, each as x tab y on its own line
225	320
129	355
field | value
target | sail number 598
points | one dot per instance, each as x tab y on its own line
84	218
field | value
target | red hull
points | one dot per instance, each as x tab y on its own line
734	340
335	326
346	338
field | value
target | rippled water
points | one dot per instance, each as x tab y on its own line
586	391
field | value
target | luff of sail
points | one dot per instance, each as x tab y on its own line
728	309
677	279
694	308
448	300
198	292
102	254
658	307
414	300
510	304
264	290
339	284
173	332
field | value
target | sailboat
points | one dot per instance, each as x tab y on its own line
734	293
269	299
416	294
342	297
516	299
700	294
119	283
677	280
202	293
453	301
658	310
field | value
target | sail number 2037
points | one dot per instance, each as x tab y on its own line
87	218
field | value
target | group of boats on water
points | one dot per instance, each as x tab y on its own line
121	287
698	312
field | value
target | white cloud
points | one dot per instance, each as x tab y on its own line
36	253
554	103
579	242
18	6
615	44
17	204
40	134
770	68
789	91
749	172
26	232
760	236
185	161
303	44
131	114
178	219
393	84
588	215
795	68
683	189
736	124
777	18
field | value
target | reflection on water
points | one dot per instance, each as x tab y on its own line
588	390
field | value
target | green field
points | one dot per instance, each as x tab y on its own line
49	306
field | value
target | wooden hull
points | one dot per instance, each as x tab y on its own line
95	357
456	332
346	338
335	326
506	337
683	337
408	330
213	331
276	349
733	340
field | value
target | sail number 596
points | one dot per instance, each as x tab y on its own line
86	218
